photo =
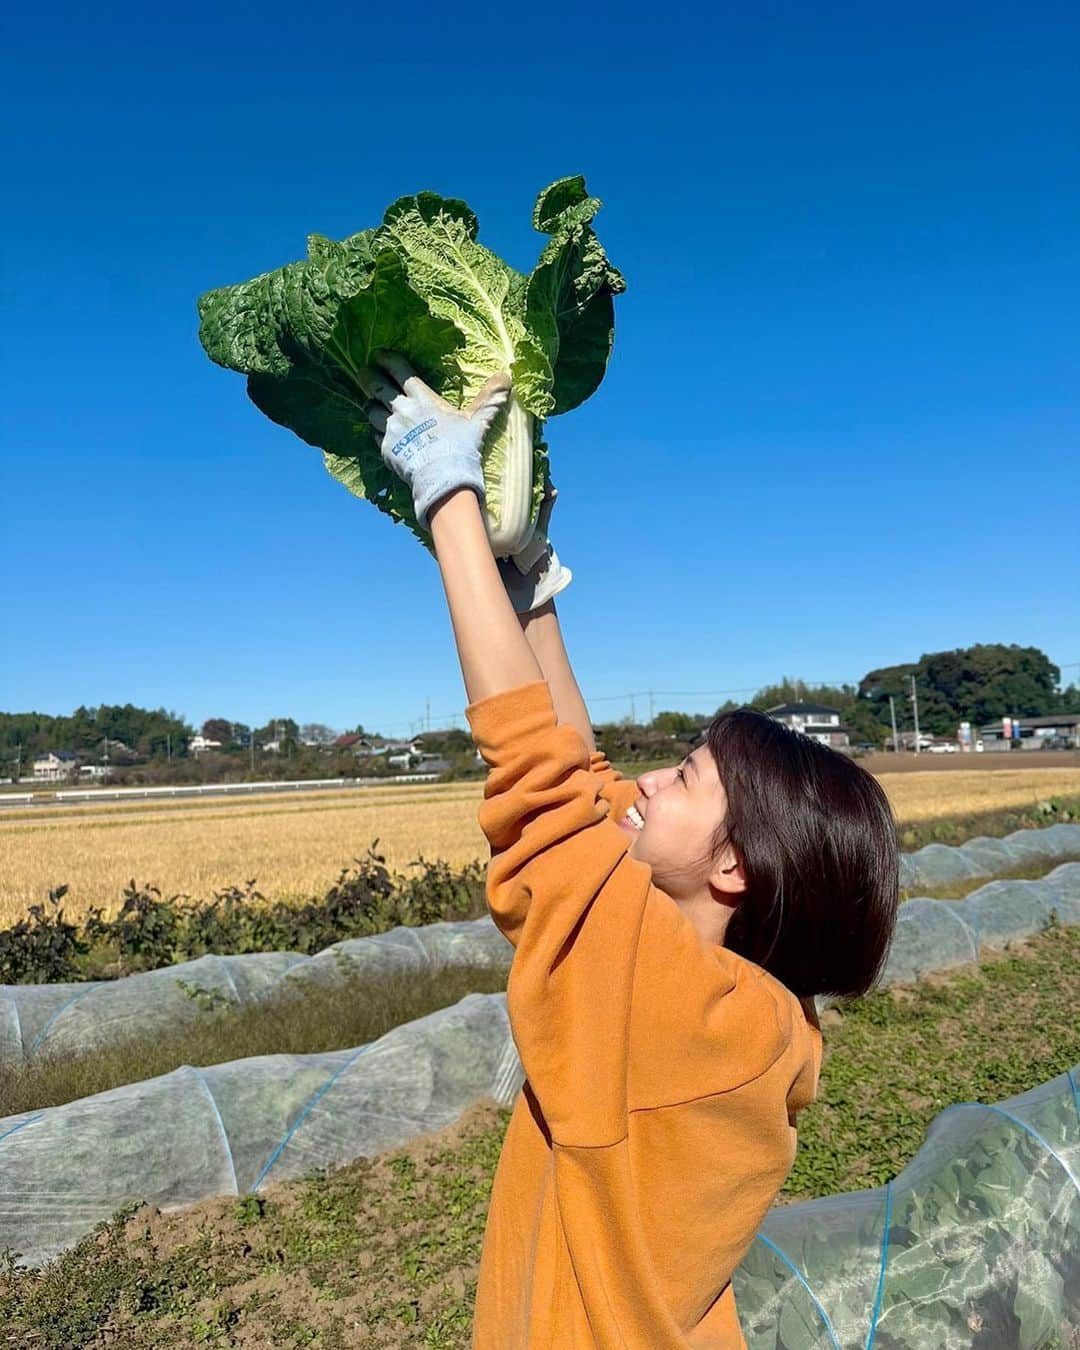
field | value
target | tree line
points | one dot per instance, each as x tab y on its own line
978	684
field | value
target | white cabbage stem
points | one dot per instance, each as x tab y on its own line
509	466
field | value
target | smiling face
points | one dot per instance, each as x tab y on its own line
682	808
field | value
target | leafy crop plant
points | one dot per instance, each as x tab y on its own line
422	285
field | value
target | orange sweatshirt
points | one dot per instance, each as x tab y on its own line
663	1074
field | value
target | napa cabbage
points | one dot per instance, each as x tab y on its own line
421	284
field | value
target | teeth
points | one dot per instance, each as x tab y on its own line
633	815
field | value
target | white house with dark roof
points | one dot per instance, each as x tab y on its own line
813	720
53	765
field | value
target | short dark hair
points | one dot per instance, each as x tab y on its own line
817	840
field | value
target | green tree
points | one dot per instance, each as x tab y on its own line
284	729
677	723
977	684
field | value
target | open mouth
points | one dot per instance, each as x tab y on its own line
633	820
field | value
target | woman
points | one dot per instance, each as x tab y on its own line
670	934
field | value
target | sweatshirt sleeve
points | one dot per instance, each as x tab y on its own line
539	795
614	1000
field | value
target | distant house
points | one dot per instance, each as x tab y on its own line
53	765
359	745
405	755
813	720
1061	730
200	742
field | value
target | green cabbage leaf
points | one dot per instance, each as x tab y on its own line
423	285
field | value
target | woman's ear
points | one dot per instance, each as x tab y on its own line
728	875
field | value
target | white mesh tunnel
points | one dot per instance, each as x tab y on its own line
39	1019
232	1128
975	1243
36	1019
938	934
938	864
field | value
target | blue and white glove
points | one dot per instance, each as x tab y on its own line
534	575
432	445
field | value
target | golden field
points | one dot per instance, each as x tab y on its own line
295	845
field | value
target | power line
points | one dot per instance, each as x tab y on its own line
629	697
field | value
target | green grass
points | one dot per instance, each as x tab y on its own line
383	1253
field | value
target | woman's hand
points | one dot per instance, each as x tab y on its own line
432	445
534	575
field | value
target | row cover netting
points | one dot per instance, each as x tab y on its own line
939	864
975	1243
76	1018
232	1128
938	934
66	1019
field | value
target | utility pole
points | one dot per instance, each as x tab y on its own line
251	747
427	712
892	714
915	712
633	711
652	715
168	742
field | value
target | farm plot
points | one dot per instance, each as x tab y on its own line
384	1251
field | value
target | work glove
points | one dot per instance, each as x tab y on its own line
432	445
534	575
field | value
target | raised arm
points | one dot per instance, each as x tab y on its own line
486	629
544	636
492	648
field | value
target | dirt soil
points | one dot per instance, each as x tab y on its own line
308	1274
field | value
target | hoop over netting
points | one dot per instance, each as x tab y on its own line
938	934
231	1128
67	1019
975	1243
939	864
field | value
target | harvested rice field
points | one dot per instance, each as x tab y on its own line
295	845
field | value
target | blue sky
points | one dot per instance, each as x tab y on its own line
840	424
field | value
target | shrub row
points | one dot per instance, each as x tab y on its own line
152	930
